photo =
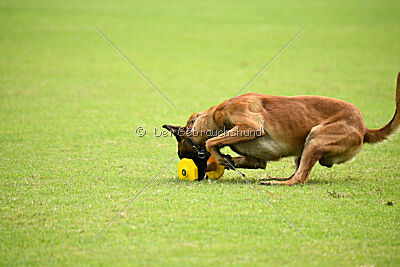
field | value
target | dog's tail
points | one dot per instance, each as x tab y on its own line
375	136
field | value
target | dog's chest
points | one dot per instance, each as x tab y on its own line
263	147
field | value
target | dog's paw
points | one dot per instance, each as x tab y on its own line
229	163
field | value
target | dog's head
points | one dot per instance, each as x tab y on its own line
187	148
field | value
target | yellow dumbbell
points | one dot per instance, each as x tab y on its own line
218	170
217	173
188	171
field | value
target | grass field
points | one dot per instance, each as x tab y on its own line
70	159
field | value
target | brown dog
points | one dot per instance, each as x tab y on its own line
264	128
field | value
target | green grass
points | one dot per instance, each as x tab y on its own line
70	158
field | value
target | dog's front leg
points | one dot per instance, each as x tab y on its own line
247	162
238	134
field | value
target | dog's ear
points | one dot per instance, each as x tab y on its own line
175	130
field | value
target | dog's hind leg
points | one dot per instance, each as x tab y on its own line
311	154
297	164
338	140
